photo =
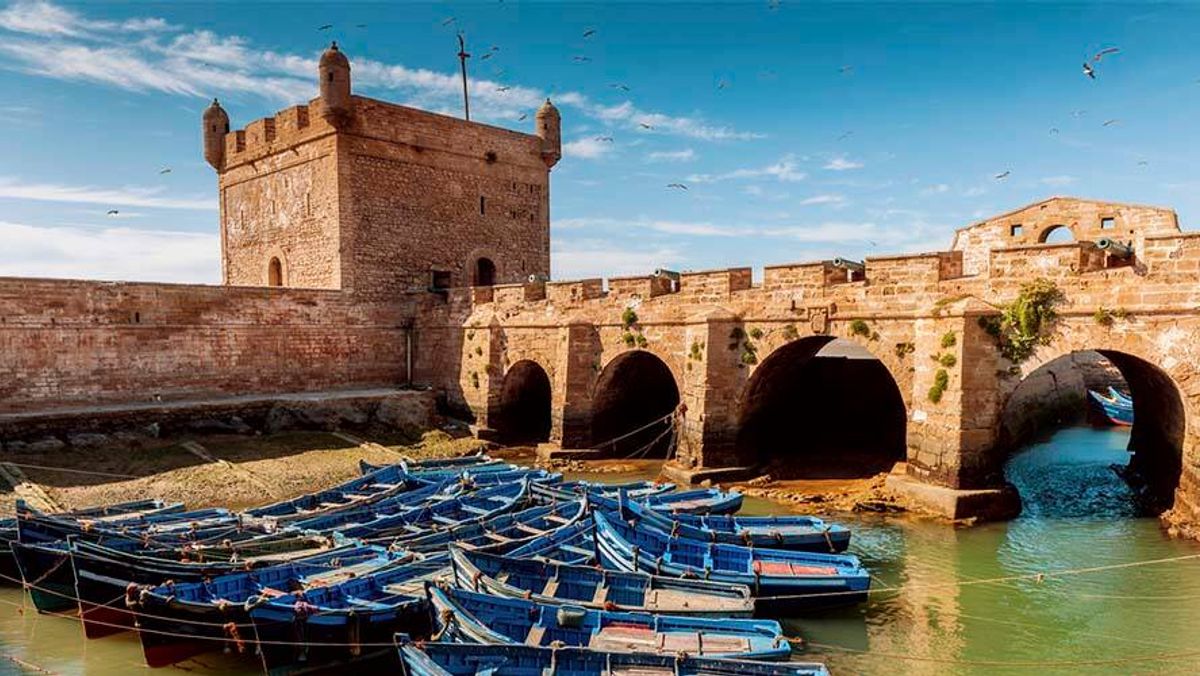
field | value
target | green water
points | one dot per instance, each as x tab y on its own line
942	620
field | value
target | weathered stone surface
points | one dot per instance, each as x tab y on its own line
410	412
85	440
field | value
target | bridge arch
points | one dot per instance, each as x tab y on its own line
633	391
821	407
1158	439
525	401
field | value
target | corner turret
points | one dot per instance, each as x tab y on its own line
549	129
216	126
334	73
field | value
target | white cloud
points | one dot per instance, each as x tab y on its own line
685	155
134	196
592	258
698	229
836	200
1059	180
109	253
203	63
785	170
840	163
48	20
587	148
938	189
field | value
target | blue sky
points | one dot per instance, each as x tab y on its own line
803	131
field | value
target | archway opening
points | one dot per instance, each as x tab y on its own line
524	405
820	407
1066	443
631	406
485	272
275	272
1058	234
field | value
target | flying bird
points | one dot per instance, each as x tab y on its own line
522	117
164	170
845	136
1109	123
589	33
774	4
486	56
112	212
1104	52
604	139
677	186
643	125
1078	113
360	25
448	21
721	84
325	27
503	89
1003	175
1053	130
1088	70
622	87
1143	163
581	59
846	70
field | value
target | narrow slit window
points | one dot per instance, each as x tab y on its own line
482	205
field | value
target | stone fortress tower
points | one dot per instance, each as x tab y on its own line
354	193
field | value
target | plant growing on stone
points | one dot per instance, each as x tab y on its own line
790	332
749	354
629	339
695	351
904	349
941	380
1027	322
949	340
756	333
641	341
948	360
628	317
860	328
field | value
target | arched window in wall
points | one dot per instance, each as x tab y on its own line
275	272
485	272
1059	234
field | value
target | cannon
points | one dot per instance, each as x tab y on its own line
1114	248
669	274
847	264
535	278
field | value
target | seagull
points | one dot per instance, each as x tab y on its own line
325	27
721	84
1109	123
1053	130
1088	70
1078	113
589	33
503	89
581	59
523	116
164	170
773	4
677	186
1143	163
1104	52
112	212
360	25
643	125
486	56
604	139
1003	175
622	87
845	136
846	70
448	21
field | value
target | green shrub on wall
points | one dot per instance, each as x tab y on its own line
1027	322
941	380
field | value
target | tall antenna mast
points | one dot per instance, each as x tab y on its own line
462	59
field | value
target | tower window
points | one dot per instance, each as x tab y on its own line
439	280
275	273
482	205
1016	230
1108	223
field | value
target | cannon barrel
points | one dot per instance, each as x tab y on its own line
1115	248
848	264
536	277
669	274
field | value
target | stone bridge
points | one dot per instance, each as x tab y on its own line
843	368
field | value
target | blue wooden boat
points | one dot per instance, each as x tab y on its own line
324	627
780	580
463	462
372	487
471	617
179	620
495	472
571	544
1114	393
801	533
1117	410
464	659
404	502
553	583
573	490
696	501
171	528
473	506
11	575
503	532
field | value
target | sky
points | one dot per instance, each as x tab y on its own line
802	131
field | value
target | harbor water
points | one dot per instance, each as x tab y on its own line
961	600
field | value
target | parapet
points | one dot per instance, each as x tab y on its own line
270	135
